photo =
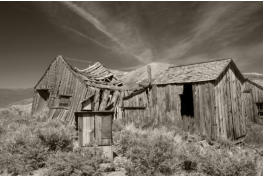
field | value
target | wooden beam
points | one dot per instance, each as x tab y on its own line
97	99
105	98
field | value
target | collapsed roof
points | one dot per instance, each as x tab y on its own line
98	74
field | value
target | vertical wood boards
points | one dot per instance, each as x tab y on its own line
80	130
95	127
86	129
105	98
106	130
136	115
228	102
204	109
230	119
238	119
97	99
196	104
252	96
98	126
248	106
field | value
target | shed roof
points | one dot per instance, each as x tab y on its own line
254	78
197	72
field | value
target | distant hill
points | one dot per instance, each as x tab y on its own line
141	74
254	77
11	96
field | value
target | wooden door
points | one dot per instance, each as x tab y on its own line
103	127
86	129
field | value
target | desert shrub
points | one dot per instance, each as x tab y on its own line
56	136
254	134
149	155
159	152
23	155
117	125
222	163
219	160
78	163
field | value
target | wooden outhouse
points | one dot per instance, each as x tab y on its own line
95	129
204	96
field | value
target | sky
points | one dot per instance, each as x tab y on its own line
125	35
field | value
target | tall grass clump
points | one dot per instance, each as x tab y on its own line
27	142
148	154
56	136
23	154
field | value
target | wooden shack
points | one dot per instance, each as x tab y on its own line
253	97
64	90
206	96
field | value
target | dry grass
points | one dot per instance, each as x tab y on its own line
163	152
29	144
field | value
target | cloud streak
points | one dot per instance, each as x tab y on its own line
76	32
86	15
217	27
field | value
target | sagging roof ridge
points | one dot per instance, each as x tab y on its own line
86	83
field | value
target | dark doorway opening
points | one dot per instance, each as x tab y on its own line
44	93
187	101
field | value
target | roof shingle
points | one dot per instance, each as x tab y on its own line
198	72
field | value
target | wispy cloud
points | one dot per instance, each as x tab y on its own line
218	27
169	32
90	18
76	32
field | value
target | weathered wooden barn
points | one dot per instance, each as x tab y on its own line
64	90
253	97
206	96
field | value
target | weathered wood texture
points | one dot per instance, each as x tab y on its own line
217	107
230	120
94	127
204	109
249	108
137	116
86	132
59	79
157	106
252	94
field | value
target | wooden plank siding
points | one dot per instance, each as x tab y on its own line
162	106
60	80
204	109
230	119
218	111
251	96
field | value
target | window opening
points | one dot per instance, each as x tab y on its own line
64	101
260	109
